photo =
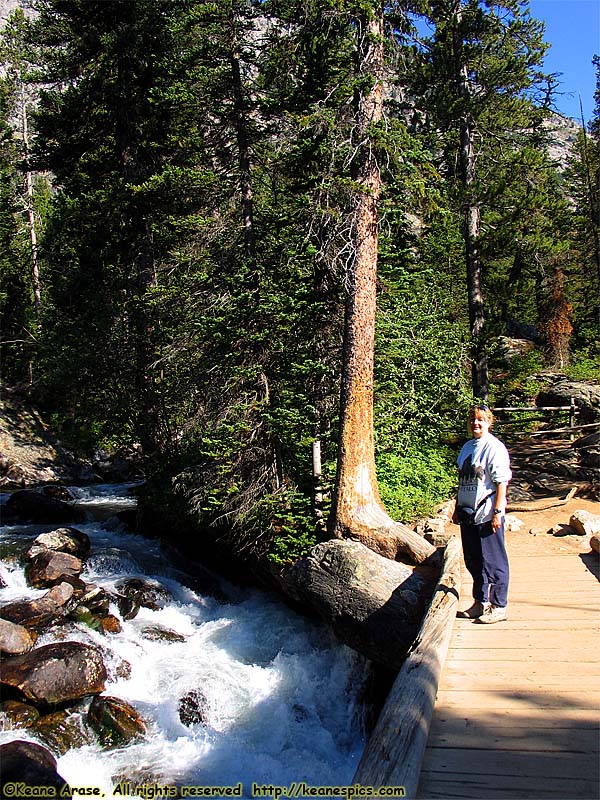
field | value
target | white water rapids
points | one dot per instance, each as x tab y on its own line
282	695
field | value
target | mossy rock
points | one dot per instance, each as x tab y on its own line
115	722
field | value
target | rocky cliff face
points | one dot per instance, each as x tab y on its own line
563	135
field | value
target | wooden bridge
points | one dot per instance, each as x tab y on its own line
510	710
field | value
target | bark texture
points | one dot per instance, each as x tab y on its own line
357	510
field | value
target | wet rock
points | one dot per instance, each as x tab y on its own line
110	624
56	490
115	722
193	708
32	765
95	599
144	592
585	523
50	567
29	505
14	639
17	715
156	633
128	608
55	673
84	616
37	613
63	731
64	540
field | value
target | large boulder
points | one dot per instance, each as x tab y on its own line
14	639
585	395
38	612
29	505
30	764
55	673
64	540
373	604
50	567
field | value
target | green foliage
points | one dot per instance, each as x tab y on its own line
196	242
520	383
414	481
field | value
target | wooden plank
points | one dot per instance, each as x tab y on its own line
495	764
583	654
575	718
449	785
499	668
536	698
521	681
460	734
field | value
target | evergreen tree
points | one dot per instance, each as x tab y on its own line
480	69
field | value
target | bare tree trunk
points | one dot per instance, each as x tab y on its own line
357	510
240	122
471	224
35	271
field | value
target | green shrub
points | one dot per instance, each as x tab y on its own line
411	484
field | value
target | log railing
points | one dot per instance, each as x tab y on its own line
395	749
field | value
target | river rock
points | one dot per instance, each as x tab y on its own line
110	624
64	540
55	673
144	592
32	765
56	490
63	731
156	633
50	567
18	715
372	603
29	505
37	613
95	599
115	721
585	523
193	708
14	639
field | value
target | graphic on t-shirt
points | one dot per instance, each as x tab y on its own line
470	473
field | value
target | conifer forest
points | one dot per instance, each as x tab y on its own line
275	248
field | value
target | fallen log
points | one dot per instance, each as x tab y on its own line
395	749
373	604
541	505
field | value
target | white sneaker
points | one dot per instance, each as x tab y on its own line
475	611
493	614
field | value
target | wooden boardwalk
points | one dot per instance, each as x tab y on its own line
517	712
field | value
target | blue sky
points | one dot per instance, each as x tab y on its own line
573	31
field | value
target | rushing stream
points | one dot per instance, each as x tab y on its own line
281	695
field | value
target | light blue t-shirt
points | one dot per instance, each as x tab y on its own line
482	463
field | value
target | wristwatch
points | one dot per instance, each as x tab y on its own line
498	511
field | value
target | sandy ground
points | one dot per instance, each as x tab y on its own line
548	531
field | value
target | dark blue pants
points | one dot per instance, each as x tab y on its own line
487	561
